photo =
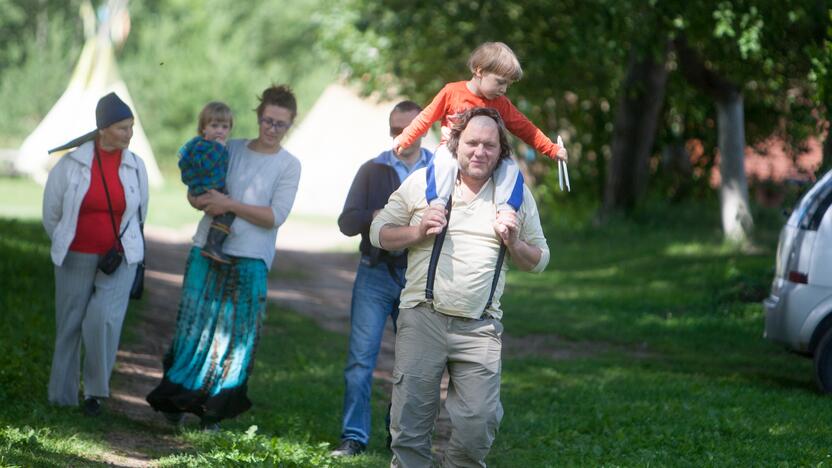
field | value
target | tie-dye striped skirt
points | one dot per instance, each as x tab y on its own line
212	355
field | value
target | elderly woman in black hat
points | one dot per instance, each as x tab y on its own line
93	204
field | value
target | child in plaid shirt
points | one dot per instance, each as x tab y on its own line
204	162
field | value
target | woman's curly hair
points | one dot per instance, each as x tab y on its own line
278	95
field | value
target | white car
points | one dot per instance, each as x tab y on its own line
799	308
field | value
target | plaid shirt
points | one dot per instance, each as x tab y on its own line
203	164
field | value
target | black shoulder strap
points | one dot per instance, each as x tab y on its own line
434	260
434	254
107	194
500	258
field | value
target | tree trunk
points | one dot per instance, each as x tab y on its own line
636	118
826	162
737	222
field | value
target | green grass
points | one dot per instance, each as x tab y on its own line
673	369
297	390
297	385
33	433
22	199
614	410
669	367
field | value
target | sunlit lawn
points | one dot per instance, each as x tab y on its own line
33	433
297	390
671	368
297	384
22	198
650	352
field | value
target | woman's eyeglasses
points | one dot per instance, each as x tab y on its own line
275	124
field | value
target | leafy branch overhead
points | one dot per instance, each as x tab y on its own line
576	54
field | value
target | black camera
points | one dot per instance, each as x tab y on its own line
109	262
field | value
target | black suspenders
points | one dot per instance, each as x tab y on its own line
434	260
500	258
434	254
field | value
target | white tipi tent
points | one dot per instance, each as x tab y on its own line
73	115
340	133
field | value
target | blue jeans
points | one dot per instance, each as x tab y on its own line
375	295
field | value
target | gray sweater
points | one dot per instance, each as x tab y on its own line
256	179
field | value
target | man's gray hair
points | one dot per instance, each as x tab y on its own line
461	122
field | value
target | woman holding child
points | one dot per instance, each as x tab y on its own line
210	360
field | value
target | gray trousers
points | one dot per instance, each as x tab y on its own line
89	308
426	343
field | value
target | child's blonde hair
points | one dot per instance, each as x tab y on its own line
214	111
497	58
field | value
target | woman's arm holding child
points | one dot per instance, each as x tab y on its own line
216	203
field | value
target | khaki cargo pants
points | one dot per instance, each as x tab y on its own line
426	343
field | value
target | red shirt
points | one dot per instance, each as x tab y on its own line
94	233
456	98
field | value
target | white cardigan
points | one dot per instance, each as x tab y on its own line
66	187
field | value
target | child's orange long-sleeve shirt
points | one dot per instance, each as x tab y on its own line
456	98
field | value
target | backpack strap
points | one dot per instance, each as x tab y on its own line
500	259
434	254
434	261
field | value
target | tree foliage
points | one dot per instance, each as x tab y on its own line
20	26
575	56
41	40
180	54
821	76
764	48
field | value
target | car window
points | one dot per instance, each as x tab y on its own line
814	205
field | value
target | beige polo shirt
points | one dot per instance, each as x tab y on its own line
469	255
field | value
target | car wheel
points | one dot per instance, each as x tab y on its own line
823	363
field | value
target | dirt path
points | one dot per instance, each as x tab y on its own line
310	281
139	362
308	278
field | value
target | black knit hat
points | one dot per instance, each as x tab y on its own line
109	110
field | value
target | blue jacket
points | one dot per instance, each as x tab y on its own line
370	189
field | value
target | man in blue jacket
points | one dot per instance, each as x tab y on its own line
379	278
